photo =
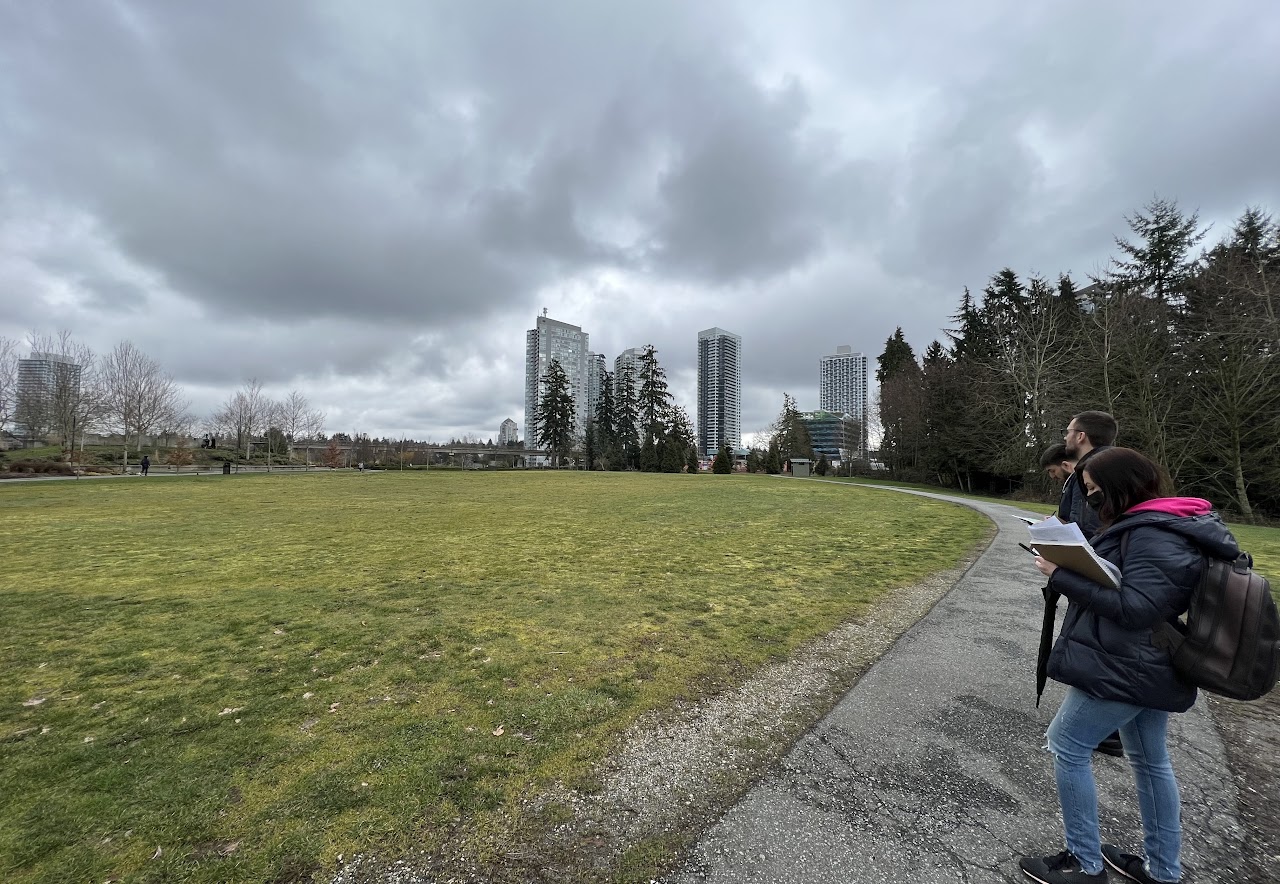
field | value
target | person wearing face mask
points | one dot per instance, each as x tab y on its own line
1115	674
1088	433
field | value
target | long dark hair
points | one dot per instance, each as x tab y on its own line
1126	478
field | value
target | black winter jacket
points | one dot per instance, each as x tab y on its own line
1073	507
1105	648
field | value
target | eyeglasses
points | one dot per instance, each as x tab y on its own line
1068	431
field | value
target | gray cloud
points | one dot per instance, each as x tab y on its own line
372	204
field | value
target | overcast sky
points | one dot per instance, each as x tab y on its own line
371	202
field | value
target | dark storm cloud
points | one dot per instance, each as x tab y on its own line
361	199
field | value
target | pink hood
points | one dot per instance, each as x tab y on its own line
1175	506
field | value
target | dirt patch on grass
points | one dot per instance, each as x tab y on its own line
1251	735
674	773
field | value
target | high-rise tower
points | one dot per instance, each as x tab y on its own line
842	388
551	339
719	391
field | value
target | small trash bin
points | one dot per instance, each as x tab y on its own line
226	468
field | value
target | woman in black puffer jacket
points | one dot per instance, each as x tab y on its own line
1115	675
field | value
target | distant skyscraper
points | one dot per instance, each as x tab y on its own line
508	433
842	387
44	380
595	381
719	390
627	358
548	340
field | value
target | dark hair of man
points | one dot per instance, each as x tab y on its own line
1100	427
1126	478
1053	456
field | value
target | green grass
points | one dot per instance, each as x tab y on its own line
251	675
1263	543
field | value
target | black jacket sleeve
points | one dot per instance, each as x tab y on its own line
1157	575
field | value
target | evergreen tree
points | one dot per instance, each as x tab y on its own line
790	431
555	413
691	460
626	419
590	451
723	463
653	402
677	440
901	407
773	461
823	466
1161	262
605	424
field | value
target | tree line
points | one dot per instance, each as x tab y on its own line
637	424
1181	343
125	391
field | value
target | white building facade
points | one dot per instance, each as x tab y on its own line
842	388
44	381
508	432
569	344
719	391
596	371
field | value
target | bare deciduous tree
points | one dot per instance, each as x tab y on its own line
297	419
66	396
8	381
140	396
245	414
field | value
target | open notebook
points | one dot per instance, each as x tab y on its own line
1064	544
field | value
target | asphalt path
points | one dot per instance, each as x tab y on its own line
932	768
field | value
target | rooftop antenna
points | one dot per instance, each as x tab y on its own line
544	312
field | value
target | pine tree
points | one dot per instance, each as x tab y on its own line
773	461
790	431
605	423
653	402
555	414
626	419
723	463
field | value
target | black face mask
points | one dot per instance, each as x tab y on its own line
1095	499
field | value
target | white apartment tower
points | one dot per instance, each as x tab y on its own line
549	340
44	380
595	381
842	387
631	358
719	390
507	433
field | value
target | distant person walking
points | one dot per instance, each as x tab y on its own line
1115	674
146	464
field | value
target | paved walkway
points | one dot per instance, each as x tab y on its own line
931	768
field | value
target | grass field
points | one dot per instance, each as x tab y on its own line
215	679
1263	543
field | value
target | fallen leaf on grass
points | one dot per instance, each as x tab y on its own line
333	707
308	695
90	739
308	724
499	731
230	710
159	852
229	848
34	701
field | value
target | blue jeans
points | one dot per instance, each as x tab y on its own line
1081	724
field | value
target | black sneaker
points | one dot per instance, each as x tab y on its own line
1132	867
1111	746
1061	869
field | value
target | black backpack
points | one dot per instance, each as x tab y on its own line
1231	643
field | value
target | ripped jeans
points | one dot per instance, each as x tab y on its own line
1081	723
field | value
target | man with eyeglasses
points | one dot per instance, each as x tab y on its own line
1087	433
